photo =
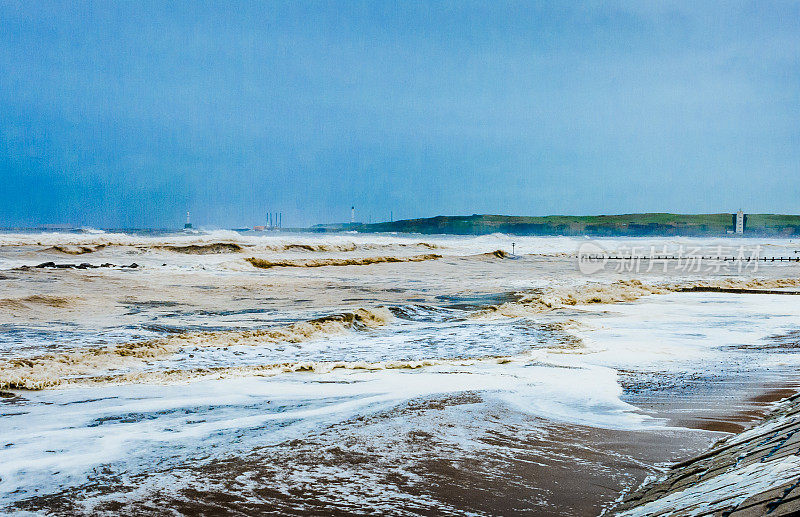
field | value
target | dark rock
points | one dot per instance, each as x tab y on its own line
46	264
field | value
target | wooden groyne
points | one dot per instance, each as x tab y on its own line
687	258
734	290
753	473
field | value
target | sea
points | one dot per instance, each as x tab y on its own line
217	372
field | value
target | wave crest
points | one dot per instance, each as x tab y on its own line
204	249
266	264
47	371
619	292
74	250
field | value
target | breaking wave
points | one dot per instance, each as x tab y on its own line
51	370
351	246
620	292
266	264
205	249
108	365
74	250
497	254
35	300
87	242
268	370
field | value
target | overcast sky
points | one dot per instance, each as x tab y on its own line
127	114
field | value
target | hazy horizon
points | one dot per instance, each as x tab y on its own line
128	115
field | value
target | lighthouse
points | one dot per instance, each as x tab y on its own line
739	222
188	225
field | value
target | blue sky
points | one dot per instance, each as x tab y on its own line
127	114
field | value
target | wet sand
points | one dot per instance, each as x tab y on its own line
428	457
402	464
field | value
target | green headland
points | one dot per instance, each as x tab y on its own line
776	225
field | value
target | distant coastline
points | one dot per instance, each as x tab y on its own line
647	224
622	225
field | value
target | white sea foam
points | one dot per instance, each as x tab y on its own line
117	422
462	245
134	425
518	355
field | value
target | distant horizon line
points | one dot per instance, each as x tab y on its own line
72	227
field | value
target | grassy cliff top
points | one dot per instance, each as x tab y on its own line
622	224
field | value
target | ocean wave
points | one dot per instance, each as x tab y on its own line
266	264
15	304
348	246
618	292
74	250
312	242
204	249
132	362
274	242
105	364
170	376
497	254
46	371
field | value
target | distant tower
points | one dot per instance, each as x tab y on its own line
188	225
352	214
739	221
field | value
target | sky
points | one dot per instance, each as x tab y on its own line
128	114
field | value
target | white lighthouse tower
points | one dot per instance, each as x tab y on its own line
739	222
